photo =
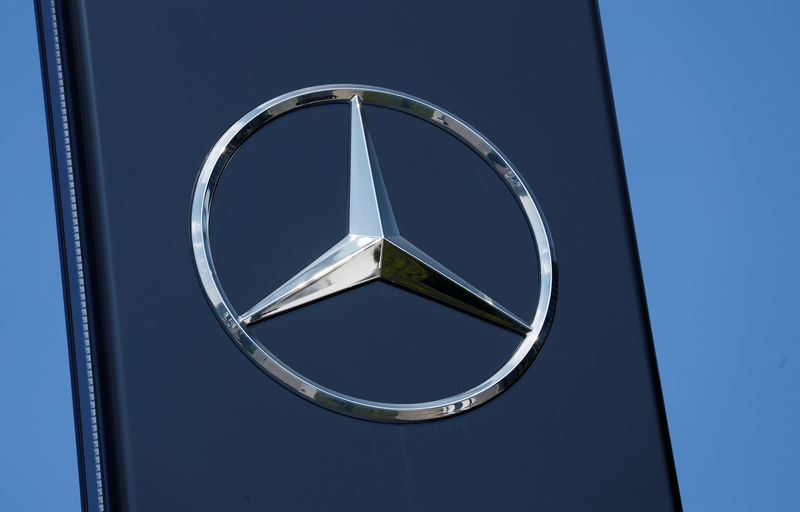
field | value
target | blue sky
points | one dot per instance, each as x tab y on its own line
38	468
709	111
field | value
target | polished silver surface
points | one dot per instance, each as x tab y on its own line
373	249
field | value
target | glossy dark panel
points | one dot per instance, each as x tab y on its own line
193	425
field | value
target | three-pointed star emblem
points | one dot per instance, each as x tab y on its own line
374	249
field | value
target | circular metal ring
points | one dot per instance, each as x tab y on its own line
208	178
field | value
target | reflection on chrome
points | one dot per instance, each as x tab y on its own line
373	249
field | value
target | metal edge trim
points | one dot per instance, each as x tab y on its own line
72	255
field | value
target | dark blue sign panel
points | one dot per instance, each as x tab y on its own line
415	289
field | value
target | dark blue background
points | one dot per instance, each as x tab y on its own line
706	95
196	426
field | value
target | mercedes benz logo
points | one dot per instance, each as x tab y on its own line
373	249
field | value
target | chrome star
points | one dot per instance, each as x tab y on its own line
374	249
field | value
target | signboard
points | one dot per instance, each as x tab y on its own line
350	257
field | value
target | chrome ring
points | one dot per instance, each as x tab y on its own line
208	178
